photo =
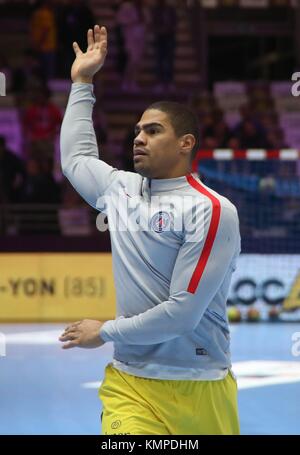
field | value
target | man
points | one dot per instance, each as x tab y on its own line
164	42
12	174
43	34
171	368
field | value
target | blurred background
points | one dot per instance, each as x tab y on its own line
236	63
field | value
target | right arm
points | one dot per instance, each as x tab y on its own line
79	152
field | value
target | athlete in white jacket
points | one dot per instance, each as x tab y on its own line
174	246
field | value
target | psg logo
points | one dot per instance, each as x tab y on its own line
161	221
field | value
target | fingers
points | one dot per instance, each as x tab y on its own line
72	335
96	38
103	47
100	35
72	344
68	336
70	330
77	49
97	33
90	39
73	325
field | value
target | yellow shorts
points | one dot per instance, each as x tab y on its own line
135	405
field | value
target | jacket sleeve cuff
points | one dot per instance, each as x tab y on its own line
106	331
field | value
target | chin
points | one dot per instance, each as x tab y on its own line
142	171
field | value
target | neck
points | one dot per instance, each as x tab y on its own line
174	173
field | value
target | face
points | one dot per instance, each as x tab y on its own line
32	167
158	152
249	129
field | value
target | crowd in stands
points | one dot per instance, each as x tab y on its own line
29	178
53	26
267	193
134	21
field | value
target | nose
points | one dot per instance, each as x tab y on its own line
140	139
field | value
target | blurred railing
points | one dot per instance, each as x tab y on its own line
33	219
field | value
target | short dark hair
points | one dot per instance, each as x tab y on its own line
182	118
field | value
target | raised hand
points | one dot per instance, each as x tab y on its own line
86	64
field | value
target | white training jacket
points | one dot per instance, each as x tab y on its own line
175	243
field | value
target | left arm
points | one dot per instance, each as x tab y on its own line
199	271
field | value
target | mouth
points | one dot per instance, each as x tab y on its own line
137	152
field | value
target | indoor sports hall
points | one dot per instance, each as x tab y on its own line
235	63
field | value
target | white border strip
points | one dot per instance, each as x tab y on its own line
256	154
223	154
288	154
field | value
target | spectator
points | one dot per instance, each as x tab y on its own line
28	76
74	19
43	32
275	140
208	124
41	123
74	216
214	126
164	43
100	125
209	143
222	133
121	58
40	188
250	130
234	143
250	135
127	156
27	79
12	174
245	113
132	18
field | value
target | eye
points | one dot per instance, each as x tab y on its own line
152	131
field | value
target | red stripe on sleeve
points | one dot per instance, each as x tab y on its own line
211	234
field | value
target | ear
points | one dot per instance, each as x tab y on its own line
187	142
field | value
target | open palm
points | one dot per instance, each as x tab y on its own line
86	64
